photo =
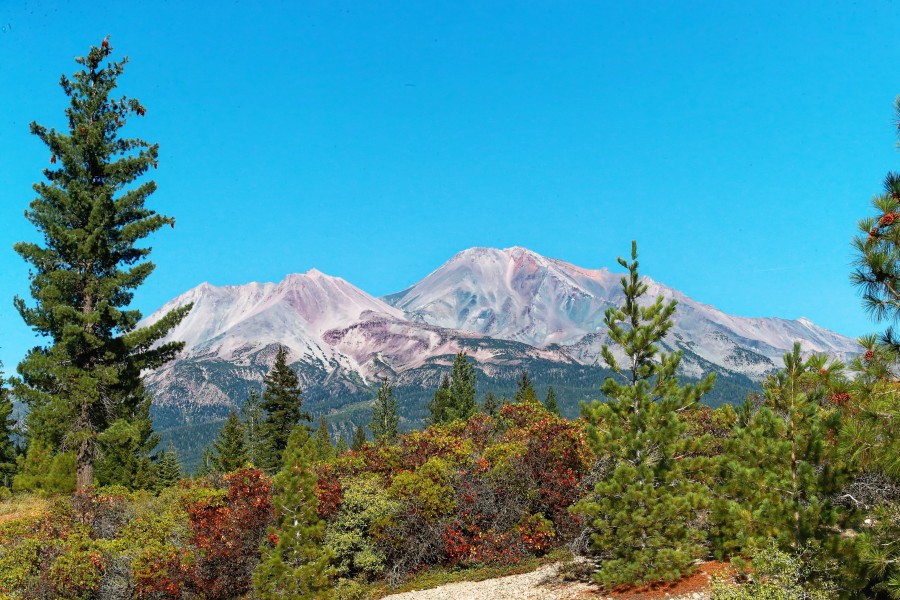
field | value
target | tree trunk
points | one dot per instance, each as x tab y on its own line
84	470
84	454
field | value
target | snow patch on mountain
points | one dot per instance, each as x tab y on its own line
517	294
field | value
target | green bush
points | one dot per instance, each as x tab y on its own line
42	472
777	575
427	488
351	589
350	537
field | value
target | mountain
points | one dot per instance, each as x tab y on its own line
516	294
509	309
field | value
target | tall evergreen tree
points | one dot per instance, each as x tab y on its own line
440	407
253	416
298	566
168	469
462	387
385	421
525	391
359	438
643	507
7	428
455	398
229	449
91	214
282	401
490	405
323	441
550	403
341	446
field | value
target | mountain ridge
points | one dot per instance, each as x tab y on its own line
509	309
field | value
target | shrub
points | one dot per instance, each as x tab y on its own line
45	473
427	490
227	529
777	575
352	536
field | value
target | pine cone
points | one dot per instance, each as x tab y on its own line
888	219
840	398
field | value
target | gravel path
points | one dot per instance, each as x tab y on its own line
542	584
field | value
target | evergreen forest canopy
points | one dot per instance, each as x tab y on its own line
649	483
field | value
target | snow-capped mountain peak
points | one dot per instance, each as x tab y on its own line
507	308
519	295
294	312
513	294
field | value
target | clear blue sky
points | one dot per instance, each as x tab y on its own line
738	144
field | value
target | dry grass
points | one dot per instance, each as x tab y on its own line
22	506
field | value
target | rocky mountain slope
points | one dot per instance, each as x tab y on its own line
509	309
516	294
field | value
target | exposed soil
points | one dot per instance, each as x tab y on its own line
693	586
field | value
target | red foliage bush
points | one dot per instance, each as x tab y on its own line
227	534
468	545
512	479
328	491
162	573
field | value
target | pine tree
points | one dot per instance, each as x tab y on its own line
206	464
440	407
871	434
784	449
91	215
871	428
385	422
168	469
341	446
462	388
490	406
643	507
253	416
127	449
43	472
298	566
878	250
282	401
7	429
359	438
525	391
550	403
229	449
323	441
